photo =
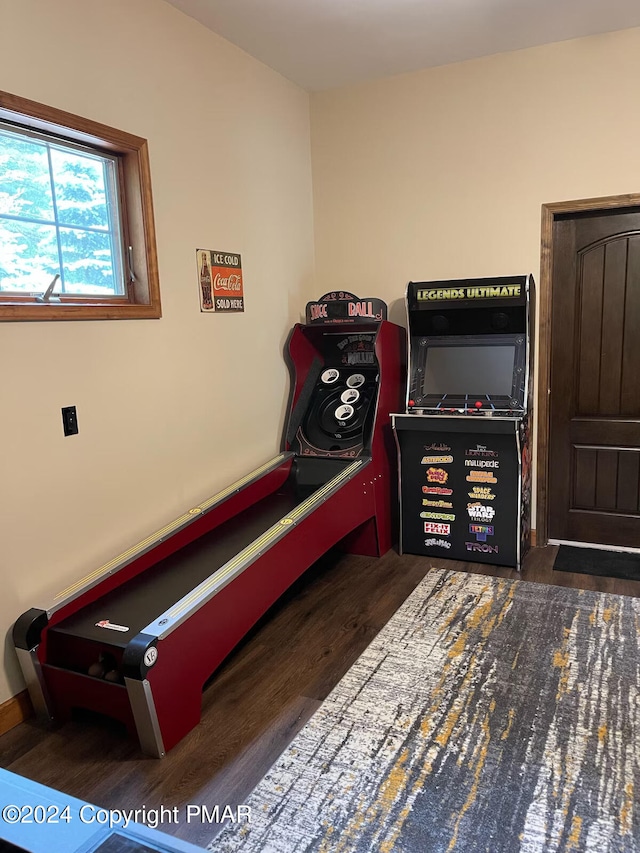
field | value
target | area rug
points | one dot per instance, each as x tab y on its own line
597	561
488	715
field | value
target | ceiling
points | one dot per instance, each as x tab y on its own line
322	44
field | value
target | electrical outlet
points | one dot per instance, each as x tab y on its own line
69	420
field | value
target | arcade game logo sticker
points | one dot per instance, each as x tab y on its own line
220	281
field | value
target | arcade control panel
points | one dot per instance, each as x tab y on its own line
484	406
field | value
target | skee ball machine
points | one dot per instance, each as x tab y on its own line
137	638
464	442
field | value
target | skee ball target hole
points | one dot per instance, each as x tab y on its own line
344	412
336	419
330	376
350	396
355	380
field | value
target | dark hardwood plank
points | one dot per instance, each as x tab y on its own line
259	699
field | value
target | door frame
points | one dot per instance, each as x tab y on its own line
549	214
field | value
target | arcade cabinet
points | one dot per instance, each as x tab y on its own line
137	638
464	440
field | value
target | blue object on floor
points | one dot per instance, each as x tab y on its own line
38	819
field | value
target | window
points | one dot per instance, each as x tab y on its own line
77	238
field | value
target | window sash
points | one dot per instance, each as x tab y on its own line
113	231
142	300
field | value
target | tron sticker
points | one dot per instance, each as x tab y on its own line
104	623
437	475
483	547
436	460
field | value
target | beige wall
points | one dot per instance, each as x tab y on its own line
169	410
442	173
435	174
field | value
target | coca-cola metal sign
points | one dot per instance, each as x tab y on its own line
220	281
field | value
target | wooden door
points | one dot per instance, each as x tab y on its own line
594	406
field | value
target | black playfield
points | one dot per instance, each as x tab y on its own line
463	443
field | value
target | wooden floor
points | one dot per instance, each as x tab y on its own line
261	697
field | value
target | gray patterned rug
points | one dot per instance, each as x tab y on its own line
488	715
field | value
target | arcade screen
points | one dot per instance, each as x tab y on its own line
461	370
467	366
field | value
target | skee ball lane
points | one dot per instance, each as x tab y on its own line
137	638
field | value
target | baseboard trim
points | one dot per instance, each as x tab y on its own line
15	711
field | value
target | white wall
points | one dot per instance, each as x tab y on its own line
169	410
442	173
